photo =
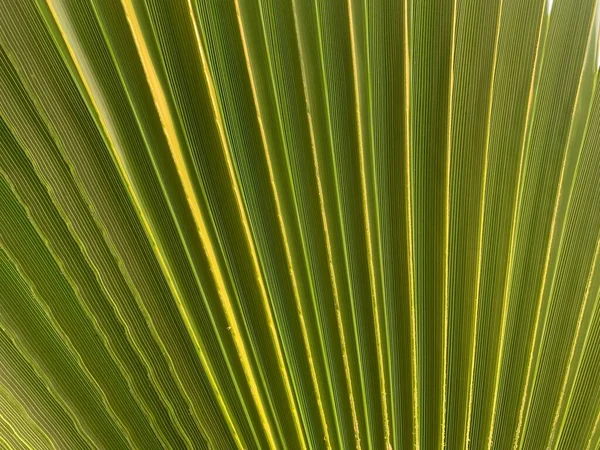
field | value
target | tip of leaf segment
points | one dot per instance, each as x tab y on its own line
549	6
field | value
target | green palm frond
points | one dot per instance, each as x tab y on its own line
299	224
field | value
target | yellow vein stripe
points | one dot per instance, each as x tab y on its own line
339	206
593	433
144	407
288	256
151	373
481	223
447	224
296	210
334	283
79	295
377	232
578	367
47	315
160	100
31	433
79	429
51	391
22	423
117	261
147	227
523	422
4	443
49	189
118	310
365	204
6	425
9	404
18	265
409	237
515	215
248	234
552	437
573	346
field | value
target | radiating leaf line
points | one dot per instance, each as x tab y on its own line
409	236
514	221
113	254
9	406
7	267
114	145
338	207
282	226
212	321
550	239
184	113
4	444
169	128
292	142
593	433
1	244
481	225
446	273
572	393
546	318
79	187
60	324
146	408
147	143
61	436
8	432
15	425
248	234
572	350
10	423
367	215
334	282
193	193
110	347
284	126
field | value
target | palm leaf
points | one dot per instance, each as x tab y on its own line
299	224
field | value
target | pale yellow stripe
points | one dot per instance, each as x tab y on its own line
148	229
245	222
594	430
4	443
411	269
120	427
334	282
117	307
554	434
143	407
481	223
288	256
574	345
18	436
366	210
11	405
524	398
160	101
512	235
109	131
447	224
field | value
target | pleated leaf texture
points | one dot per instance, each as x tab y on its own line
299	224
